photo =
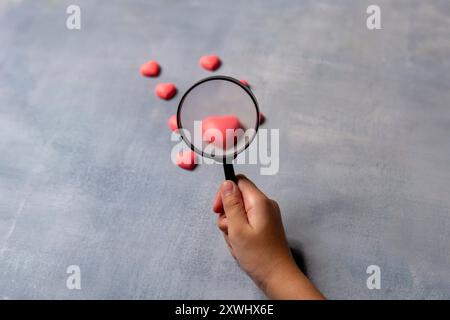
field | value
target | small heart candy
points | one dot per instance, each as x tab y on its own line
211	62
165	91
186	159
172	123
245	83
150	69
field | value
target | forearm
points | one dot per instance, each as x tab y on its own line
289	283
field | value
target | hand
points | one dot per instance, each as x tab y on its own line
252	228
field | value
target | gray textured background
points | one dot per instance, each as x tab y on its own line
85	171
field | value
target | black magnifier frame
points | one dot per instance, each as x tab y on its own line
227	160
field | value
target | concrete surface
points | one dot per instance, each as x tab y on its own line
85	171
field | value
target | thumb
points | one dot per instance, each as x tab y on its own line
233	205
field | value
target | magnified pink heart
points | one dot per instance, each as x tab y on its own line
220	130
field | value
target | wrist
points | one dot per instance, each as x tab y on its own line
287	282
279	268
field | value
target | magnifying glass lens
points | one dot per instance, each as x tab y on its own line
218	117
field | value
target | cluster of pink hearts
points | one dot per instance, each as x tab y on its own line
167	91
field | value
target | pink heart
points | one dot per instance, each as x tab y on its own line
186	159
245	83
165	91
150	69
220	123
262	118
172	123
211	62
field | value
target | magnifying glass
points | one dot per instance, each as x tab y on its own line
218	118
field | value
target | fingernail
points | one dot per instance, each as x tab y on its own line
227	188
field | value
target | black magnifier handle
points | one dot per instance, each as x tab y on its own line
229	172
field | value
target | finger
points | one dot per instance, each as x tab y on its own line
250	192
217	205
233	205
222	223
230	248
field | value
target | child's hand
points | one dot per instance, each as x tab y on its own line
252	227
